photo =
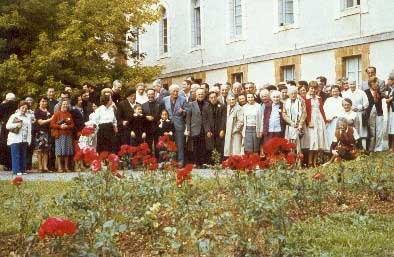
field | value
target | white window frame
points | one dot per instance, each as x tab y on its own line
236	20
354	69
356	9
286	71
285	17
278	27
164	20
196	24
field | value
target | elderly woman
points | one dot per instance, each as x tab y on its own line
234	126
316	121
253	129
62	126
19	137
105	120
332	106
41	137
344	144
273	123
351	116
294	113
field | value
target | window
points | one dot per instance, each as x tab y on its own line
237	22
196	23
286	12
354	69
288	73
351	3
237	77
164	32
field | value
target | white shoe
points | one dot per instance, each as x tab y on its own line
19	173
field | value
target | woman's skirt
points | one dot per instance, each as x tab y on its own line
64	146
41	141
105	138
251	142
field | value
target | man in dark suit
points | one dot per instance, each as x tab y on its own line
161	92
151	110
195	128
214	121
7	107
125	113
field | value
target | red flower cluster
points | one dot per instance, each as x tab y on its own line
87	131
248	162
184	174
127	150
281	150
17	181
57	227
166	143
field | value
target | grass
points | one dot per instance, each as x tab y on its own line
344	235
45	189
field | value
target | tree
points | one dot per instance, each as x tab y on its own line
56	42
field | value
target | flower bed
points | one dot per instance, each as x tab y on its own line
168	212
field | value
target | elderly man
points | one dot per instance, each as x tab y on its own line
116	88
214	121
195	127
161	92
177	108
236	90
141	95
224	89
193	92
7	107
371	72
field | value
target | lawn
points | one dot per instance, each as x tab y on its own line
346	209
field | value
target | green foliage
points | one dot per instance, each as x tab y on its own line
52	42
348	235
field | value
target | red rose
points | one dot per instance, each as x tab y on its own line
96	166
57	227
17	181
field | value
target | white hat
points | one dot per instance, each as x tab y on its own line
10	96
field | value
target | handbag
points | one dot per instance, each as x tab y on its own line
16	130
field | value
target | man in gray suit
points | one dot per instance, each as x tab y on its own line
177	107
195	128
371	71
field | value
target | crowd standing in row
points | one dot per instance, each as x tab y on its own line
322	120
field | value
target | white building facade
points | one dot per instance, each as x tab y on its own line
268	41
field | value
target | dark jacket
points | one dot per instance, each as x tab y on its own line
151	109
378	105
166	126
267	116
214	120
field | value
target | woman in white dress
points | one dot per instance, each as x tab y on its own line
294	114
316	120
359	105
332	106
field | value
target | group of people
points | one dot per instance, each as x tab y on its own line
230	119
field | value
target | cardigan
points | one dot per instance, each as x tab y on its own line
16	138
56	130
309	110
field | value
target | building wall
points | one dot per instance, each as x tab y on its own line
319	25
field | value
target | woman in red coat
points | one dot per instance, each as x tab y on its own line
316	121
62	126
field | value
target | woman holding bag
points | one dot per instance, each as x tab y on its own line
20	126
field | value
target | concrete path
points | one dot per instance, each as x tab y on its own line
6	175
